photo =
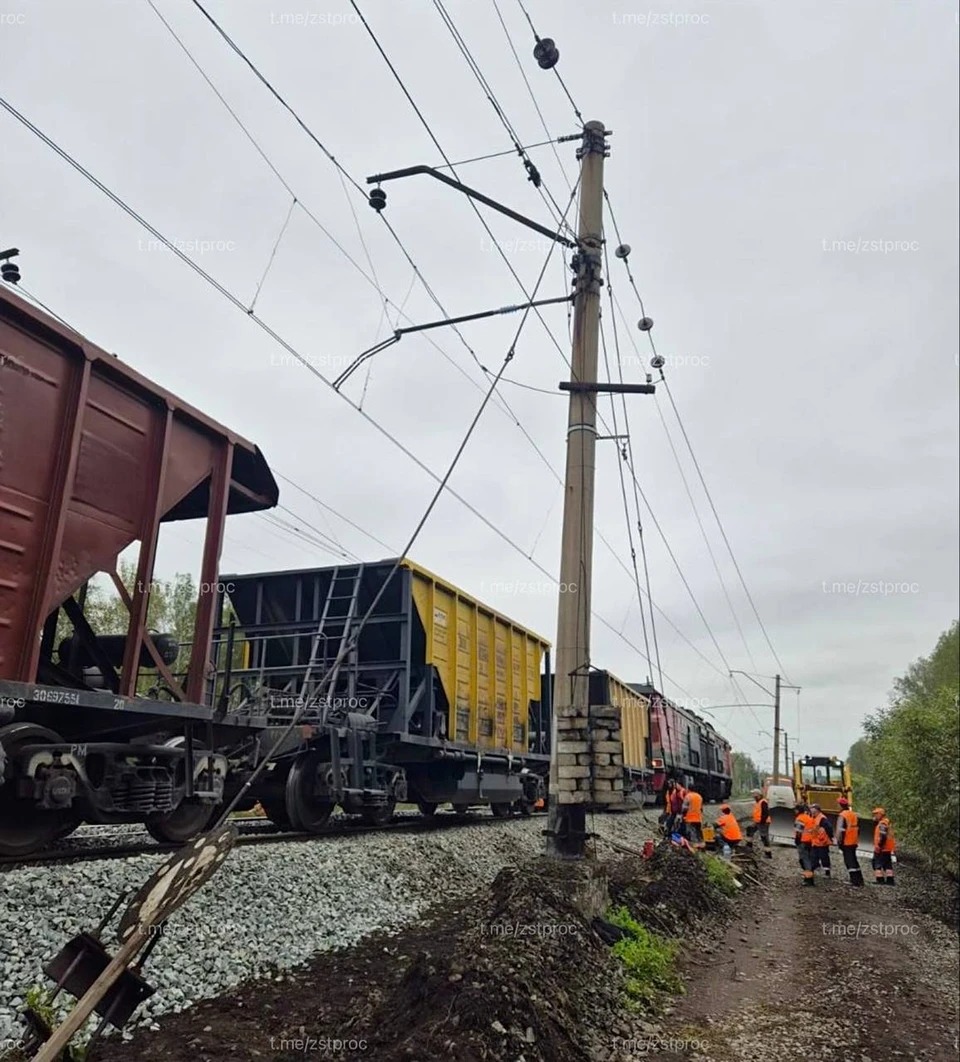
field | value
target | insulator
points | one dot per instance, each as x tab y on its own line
623	250
533	174
9	272
378	199
658	361
546	53
645	324
575	263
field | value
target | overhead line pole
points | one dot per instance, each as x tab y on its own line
776	728
566	831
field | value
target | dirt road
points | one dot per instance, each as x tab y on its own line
854	975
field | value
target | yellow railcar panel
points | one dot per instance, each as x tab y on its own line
634	723
489	667
487	690
466	672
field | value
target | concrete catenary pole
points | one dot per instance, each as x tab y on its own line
776	729
565	834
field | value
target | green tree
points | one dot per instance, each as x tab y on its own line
909	759
172	610
928	675
746	774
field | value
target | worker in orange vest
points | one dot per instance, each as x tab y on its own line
692	810
728	827
761	821
803	835
822	839
884	845
672	802
847	838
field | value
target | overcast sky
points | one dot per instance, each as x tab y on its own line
786	174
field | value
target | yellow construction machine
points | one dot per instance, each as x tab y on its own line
819	780
822	780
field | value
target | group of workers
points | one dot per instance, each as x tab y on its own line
814	832
683	817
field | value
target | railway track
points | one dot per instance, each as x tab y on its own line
255	836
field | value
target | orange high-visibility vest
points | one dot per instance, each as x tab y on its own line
803	824
758	815
821	839
729	827
695	812
848	827
888	845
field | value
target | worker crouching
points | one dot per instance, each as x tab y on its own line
761	821
803	835
822	839
884	845
848	837
728	828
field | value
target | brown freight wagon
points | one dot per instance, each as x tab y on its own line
94	457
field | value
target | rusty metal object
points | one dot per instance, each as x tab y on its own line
94	456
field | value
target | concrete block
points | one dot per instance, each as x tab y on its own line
573	772
609	746
608	772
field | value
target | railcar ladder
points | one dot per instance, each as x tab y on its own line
344	586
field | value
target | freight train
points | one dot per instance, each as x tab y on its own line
440	700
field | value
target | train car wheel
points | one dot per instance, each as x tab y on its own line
462	810
525	807
25	828
380	814
428	808
501	811
187	819
305	810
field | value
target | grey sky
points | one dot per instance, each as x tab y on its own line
817	378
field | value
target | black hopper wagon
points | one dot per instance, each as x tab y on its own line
436	700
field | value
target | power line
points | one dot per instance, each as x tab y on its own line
536	37
693	456
277	338
436	143
532	172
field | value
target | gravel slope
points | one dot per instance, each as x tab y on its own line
270	907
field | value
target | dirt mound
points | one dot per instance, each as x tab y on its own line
668	893
534	978
523	976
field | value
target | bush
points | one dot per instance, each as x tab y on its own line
909	760
720	874
647	958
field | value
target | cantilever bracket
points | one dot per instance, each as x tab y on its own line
401	332
410	171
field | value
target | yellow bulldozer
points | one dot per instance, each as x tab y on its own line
819	780
822	780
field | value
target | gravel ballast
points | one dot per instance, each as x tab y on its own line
269	908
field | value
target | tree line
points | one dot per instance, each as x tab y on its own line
908	760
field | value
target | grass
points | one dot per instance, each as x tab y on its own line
719	874
647	959
37	998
